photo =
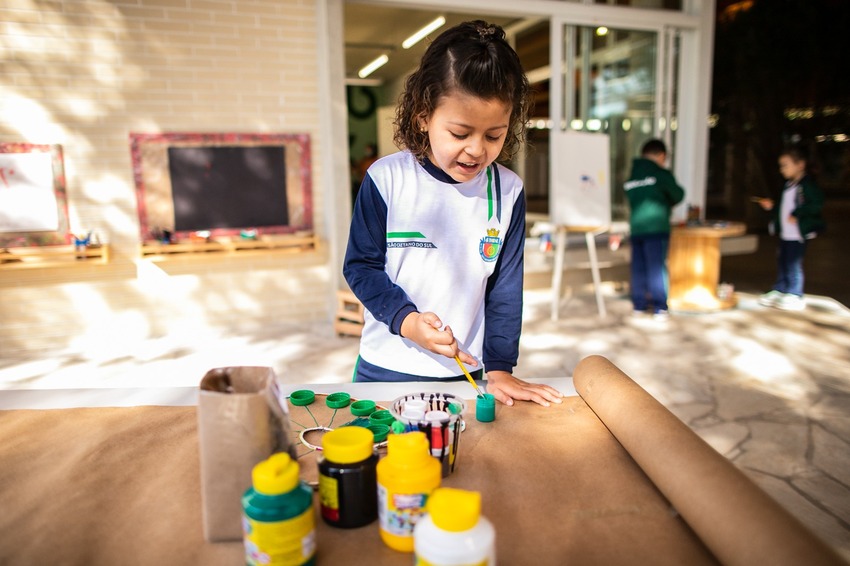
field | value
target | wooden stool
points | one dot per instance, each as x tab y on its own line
349	314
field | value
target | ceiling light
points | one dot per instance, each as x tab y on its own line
417	37
373	66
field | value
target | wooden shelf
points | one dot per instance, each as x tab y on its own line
52	256
293	243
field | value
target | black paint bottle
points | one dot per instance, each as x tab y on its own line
348	484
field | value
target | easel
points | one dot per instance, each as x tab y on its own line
560	249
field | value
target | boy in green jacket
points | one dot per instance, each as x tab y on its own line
652	192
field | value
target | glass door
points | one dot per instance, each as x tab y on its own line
616	82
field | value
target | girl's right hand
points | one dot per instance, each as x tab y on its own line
426	330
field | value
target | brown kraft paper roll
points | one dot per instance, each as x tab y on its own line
735	519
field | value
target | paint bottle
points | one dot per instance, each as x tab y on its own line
348	491
406	477
453	533
277	515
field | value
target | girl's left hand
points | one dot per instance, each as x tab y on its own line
507	388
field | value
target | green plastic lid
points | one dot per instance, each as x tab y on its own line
302	397
363	408
338	400
381	431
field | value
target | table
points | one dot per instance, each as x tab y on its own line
694	266
607	477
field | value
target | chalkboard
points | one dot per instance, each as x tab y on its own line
580	194
228	187
225	184
33	205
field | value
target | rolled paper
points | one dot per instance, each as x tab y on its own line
735	519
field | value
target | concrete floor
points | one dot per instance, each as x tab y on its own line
768	389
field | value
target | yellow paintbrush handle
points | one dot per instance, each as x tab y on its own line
469	377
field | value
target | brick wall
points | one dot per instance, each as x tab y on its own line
84	74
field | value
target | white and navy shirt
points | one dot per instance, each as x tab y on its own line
421	241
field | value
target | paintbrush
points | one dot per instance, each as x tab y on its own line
469	377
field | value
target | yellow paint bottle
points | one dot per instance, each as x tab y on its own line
407	476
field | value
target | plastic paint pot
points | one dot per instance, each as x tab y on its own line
407	476
485	408
348	463
453	531
277	514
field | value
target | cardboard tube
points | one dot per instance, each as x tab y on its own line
735	519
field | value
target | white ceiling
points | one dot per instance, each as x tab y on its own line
373	30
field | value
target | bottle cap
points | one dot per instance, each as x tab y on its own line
363	408
348	444
276	475
454	510
412	447
381	416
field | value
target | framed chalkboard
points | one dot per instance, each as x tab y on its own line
33	203
221	184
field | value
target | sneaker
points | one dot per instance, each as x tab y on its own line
661	316
791	302
771	298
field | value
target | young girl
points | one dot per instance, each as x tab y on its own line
796	220
440	227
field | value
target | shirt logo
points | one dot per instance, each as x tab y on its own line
408	240
490	245
647	182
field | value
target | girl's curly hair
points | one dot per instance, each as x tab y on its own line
473	58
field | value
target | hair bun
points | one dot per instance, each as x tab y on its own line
486	32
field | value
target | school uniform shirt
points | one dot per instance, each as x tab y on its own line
789	231
421	241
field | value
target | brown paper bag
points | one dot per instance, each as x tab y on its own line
240	423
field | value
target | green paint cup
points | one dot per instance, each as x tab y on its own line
485	408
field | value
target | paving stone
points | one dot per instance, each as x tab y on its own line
724	437
821	523
827	492
831	454
775	448
737	401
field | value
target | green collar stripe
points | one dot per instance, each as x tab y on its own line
489	194
391	235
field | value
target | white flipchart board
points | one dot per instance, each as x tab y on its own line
579	198
580	194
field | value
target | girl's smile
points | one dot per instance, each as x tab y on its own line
466	134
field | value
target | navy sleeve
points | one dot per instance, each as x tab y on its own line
365	259
503	299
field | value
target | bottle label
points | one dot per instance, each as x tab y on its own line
422	562
329	497
399	512
280	543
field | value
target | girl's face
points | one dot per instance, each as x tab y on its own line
790	169
466	134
